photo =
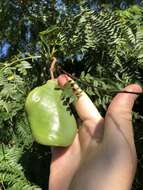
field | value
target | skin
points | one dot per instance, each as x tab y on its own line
103	154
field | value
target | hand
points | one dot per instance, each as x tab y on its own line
103	154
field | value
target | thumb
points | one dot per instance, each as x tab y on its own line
63	79
118	119
125	101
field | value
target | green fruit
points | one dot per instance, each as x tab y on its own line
50	119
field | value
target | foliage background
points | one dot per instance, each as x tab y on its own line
98	42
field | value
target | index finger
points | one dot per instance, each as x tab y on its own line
84	106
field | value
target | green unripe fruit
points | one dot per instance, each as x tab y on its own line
51	120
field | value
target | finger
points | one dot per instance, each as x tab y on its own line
118	119
92	131
61	167
86	110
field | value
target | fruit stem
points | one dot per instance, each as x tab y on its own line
52	68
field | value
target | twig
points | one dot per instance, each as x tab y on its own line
18	60
91	85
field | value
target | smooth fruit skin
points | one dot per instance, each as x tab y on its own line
51	120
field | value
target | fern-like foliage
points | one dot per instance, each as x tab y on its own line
13	91
88	31
108	44
22	132
11	172
15	134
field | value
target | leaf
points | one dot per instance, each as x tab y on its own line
68	94
23	66
26	65
4	105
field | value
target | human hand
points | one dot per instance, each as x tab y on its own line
103	154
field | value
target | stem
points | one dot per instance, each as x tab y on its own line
89	84
23	59
3	185
52	68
